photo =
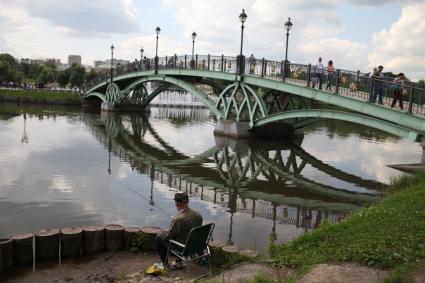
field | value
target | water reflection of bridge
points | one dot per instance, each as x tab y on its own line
249	179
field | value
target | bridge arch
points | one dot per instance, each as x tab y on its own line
99	95
340	115
180	83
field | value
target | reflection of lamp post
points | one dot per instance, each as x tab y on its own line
109	160
141	57
112	62
157	30
233	207
151	202
230	241
240	66
24	138
273	235
192	62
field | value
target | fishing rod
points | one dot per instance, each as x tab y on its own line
145	198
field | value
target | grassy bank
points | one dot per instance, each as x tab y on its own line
39	94
389	235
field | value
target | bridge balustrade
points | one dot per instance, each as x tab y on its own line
354	84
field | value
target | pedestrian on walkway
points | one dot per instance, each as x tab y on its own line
378	85
331	71
318	73
398	85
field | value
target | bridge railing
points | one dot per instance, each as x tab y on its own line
354	84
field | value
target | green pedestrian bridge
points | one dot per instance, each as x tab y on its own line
255	93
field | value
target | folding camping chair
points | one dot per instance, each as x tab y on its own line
196	246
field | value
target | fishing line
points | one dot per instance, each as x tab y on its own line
145	198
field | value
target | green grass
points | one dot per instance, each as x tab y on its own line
39	94
389	235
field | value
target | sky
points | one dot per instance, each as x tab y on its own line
355	34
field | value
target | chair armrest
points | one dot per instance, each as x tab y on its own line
177	243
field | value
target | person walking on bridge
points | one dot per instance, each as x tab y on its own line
378	85
398	90
318	73
185	220
331	71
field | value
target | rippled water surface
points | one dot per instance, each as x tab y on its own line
64	167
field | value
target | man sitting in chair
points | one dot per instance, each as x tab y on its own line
182	223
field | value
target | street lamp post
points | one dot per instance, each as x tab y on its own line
141	57
192	62
240	66
288	26
157	30
112	62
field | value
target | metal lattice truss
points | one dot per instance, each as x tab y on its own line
113	93
241	102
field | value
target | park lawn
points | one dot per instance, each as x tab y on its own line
39	94
388	235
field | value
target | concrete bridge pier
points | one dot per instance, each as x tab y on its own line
242	129
123	107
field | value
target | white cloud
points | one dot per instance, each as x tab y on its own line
343	53
80	17
166	46
401	47
53	28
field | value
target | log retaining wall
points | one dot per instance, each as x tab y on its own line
73	242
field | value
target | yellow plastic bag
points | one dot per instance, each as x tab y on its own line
155	270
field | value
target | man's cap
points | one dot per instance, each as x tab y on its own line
181	197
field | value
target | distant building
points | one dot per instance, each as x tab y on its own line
74	59
106	65
45	61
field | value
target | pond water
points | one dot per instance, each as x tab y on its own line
62	167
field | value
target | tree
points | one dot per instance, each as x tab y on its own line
47	75
63	78
90	75
8	68
76	75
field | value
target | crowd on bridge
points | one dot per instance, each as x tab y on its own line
326	75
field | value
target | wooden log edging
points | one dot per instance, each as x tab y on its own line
6	254
73	242
114	237
23	248
47	244
130	237
93	239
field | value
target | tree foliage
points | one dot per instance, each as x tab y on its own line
42	74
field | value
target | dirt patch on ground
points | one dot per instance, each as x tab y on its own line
246	271
328	273
419	275
106	267
103	268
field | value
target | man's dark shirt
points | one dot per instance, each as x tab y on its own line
182	223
